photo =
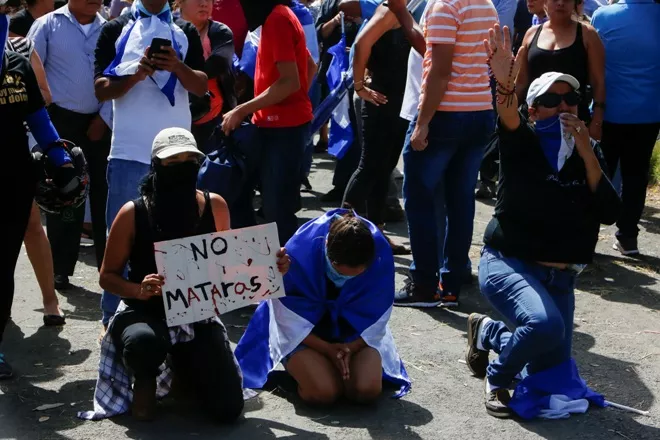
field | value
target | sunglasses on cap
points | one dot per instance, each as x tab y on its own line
552	100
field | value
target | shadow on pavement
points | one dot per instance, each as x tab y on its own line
651	220
619	382
390	418
87	304
177	425
623	279
40	358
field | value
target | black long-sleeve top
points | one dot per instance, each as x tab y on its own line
544	215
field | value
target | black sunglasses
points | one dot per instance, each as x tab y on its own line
552	100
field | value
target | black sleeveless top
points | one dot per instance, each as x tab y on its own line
572	60
142	261
388	64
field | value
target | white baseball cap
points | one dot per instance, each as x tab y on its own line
173	141
541	84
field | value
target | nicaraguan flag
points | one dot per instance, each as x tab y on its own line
339	80
554	393
133	42
279	326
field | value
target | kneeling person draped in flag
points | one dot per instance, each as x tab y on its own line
330	331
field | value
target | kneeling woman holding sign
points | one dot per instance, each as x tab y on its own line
138	340
330	330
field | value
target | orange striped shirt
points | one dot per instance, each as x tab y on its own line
464	24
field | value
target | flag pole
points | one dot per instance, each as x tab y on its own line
343	29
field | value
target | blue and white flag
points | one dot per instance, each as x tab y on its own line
308	25
340	79
554	393
137	35
279	326
557	144
248	61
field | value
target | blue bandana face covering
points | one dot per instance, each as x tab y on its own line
338	279
549	133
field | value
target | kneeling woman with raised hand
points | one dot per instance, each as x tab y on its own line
552	198
138	340
330	330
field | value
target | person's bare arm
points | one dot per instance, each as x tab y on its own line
194	81
382	21
117	252
410	28
220	213
107	89
596	60
498	49
351	8
330	26
436	86
40	73
522	81
312	68
287	84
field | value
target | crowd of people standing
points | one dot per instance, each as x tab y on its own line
564	93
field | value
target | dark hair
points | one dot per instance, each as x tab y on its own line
148	184
350	242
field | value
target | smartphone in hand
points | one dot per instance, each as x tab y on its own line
156	46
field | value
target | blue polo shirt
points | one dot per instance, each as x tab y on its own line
631	35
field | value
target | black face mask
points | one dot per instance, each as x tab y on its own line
176	212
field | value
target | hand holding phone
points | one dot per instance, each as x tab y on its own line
158	46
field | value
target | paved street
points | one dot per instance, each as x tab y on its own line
616	343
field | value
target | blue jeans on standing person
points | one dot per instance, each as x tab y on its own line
124	179
438	195
282	152
538	303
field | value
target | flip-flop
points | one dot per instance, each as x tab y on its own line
54	320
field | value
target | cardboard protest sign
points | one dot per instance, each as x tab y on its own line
215	273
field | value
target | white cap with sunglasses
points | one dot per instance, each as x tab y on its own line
173	141
541	84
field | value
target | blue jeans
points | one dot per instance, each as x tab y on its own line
282	152
538	304
438	195
124	178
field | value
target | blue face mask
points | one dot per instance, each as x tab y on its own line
549	134
337	279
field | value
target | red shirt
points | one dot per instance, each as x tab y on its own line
282	39
230	12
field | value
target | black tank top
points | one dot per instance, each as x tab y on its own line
572	60
142	261
388	64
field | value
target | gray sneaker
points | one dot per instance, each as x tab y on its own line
5	369
497	402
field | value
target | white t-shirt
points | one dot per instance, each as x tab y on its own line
86	28
144	111
414	80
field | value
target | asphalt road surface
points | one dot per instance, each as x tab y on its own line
616	343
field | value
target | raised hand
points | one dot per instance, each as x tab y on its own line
502	63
